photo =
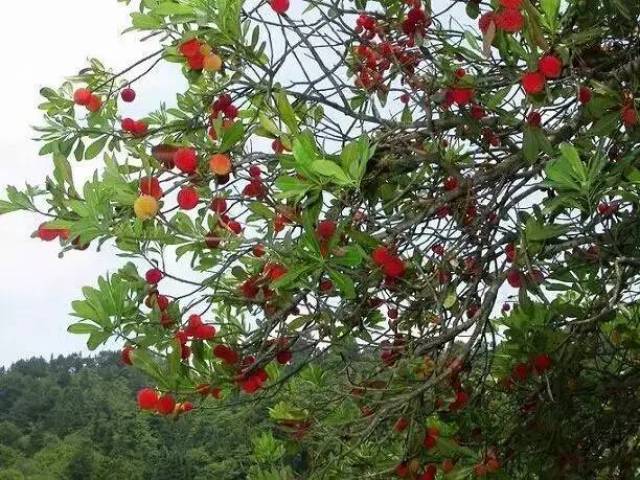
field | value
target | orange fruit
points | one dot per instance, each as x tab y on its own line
220	164
145	207
212	63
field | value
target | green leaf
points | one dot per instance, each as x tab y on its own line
232	136
83	329
550	9
7	207
331	169
172	8
145	22
344	284
530	147
95	148
268	125
291	187
287	114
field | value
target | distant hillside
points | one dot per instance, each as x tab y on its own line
75	418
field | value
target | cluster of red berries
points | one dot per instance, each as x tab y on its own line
255	188
85	98
549	67
367	27
461	92
517	279
508	18
151	400
224	104
520	372
417	21
192	51
137	128
391	264
608	209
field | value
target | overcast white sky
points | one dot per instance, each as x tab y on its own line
36	287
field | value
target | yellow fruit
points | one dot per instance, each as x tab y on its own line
205	49
220	164
145	207
212	63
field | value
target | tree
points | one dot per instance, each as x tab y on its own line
331	164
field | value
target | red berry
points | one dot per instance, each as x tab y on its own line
190	48
380	255
510	252
629	116
150	186
462	96
477	112
226	354
283	357
534	119
188	198
153	276
82	96
584	95
447	465
451	183
196	62
493	465
204	332
219	205
128	124
511	3
230	111
533	82
162	302
254	171
139	128
279	6
258	250
275	271
125	355
147	399
514	277
326	285
480	470
166	404
400	425
438	249
402	470
128	95
550	66
510	20
95	103
520	372
277	146
542	362
326	229
393	267
186	160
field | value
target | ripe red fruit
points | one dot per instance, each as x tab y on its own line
186	160
277	146
584	95
82	96
400	425
150	186
226	354
204	332
166	404
511	3
480	470
542	362
162	302
451	183
477	112
258	250
393	267
402	470
188	198
128	124
510	252
275	271
550	66
95	103
326	229
447	465
254	171
147	399
514	277
380	255
283	357
139	128
153	276
485	21
125	355
279	6
462	96
629	116
219	205
520	372
429	474
190	48
510	20
438	249
196	62
128	95
493	465
533	82
431	438
326	285
234	226
534	119
49	234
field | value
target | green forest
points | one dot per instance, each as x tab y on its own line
75	418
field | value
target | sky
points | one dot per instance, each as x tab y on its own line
37	287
